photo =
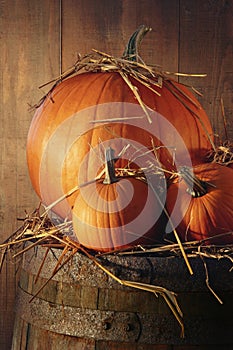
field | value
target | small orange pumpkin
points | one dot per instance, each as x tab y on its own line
205	207
116	212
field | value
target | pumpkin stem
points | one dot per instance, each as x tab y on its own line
110	175
196	187
132	47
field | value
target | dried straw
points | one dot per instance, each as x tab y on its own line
222	154
148	75
38	229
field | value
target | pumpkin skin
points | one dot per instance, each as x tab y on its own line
209	215
106	217
86	90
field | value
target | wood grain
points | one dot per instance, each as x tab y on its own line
29	55
206	46
107	25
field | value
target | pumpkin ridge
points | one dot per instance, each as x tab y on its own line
205	207
105	86
76	90
105	216
120	233
186	95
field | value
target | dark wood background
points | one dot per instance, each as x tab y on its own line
39	39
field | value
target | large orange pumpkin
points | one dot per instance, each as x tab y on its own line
205	204
118	212
90	108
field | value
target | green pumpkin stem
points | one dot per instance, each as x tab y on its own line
110	175
196	187
132	47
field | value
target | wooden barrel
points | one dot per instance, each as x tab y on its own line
84	308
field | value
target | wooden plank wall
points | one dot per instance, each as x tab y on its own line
39	39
